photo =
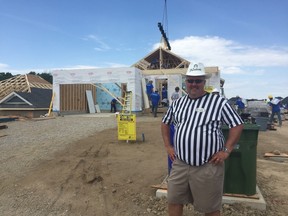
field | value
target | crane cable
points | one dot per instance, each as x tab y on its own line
165	18
162	30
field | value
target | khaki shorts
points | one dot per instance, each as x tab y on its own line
202	186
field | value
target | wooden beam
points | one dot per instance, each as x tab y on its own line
165	71
176	71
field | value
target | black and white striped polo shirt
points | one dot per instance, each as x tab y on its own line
197	123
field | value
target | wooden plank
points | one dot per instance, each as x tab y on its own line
255	196
160	186
163	185
42	118
174	71
269	154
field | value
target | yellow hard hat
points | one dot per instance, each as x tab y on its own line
270	96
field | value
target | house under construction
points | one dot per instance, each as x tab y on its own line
25	95
161	66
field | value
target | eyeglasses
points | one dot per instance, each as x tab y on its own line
197	81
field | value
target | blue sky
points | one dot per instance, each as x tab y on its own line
247	39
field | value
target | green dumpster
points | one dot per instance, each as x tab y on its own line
240	167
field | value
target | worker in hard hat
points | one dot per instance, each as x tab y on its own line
215	91
197	173
240	106
275	105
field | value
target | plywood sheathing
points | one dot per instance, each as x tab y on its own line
73	99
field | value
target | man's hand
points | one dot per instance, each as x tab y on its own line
171	153
219	157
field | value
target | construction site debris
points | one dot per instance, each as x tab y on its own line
272	154
3	127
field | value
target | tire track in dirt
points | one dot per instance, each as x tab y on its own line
85	176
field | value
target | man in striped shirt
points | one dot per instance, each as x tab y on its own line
199	151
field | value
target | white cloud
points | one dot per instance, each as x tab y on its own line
248	71
100	44
232	70
115	65
76	67
227	53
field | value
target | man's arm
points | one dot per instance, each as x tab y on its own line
233	137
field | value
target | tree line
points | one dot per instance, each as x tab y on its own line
46	76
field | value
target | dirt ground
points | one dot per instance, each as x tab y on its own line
101	176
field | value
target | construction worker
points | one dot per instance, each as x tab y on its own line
175	94
155	98
149	88
164	92
215	91
240	105
113	105
275	108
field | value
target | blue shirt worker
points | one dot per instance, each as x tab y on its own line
240	105
149	88
275	108
164	92
199	151
113	105
155	98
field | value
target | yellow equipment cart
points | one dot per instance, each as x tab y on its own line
126	120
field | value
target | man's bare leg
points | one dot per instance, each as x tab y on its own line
175	209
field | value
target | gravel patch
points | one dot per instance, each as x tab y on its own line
27	141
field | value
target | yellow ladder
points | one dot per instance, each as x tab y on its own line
127	105
127	120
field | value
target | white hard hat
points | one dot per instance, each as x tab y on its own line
197	70
215	90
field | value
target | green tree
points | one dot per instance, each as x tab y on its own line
4	76
46	76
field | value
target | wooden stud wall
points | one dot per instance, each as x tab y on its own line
73	97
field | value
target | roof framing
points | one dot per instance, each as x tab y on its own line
161	59
22	83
